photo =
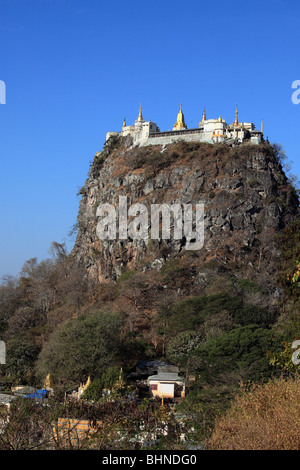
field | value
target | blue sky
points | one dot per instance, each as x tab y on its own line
74	69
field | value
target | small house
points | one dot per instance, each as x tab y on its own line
166	385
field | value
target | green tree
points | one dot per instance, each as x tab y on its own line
82	347
22	351
181	346
243	350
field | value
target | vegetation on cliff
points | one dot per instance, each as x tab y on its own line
223	314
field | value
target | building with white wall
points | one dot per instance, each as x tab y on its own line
166	385
213	131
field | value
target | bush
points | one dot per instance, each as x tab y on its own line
191	313
242	349
251	314
266	417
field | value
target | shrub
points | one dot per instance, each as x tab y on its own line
243	350
251	314
266	417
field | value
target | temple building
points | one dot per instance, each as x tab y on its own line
213	131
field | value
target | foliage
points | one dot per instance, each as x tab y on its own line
243	349
181	345
118	424
82	347
108	380
282	359
189	314
134	346
264	417
283	160
290	244
202	406
25	427
197	312
22	352
252	314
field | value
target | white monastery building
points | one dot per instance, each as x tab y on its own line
209	130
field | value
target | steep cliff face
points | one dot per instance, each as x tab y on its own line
247	201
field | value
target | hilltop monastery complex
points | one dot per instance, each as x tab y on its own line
209	130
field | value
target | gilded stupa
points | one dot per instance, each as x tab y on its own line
83	387
180	124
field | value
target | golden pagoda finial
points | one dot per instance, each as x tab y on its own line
236	122
124	123
220	119
262	127
140	117
203	116
180	124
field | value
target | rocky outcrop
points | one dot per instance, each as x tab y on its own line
246	196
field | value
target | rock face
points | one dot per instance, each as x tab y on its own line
247	201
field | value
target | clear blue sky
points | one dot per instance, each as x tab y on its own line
74	69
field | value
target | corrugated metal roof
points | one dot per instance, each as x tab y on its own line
166	377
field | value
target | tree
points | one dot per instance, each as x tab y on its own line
84	346
22	352
181	346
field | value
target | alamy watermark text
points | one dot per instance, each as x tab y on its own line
133	222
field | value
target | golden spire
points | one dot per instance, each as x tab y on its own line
236	122
262	127
85	386
124	123
140	117
220	119
88	382
180	124
203	116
